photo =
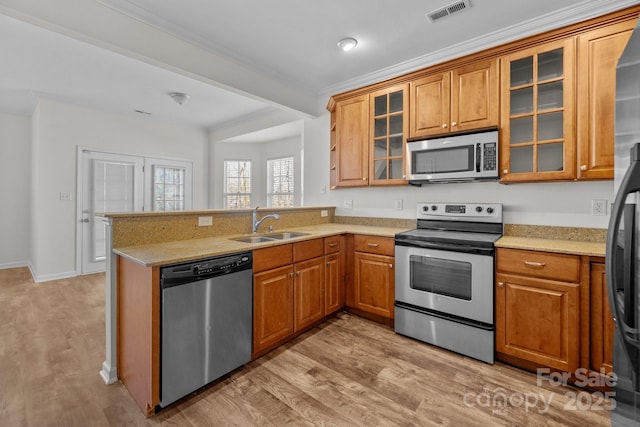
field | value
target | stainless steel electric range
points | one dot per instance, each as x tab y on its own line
445	275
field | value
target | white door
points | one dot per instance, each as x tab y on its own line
110	183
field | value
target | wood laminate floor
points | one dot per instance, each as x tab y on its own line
346	372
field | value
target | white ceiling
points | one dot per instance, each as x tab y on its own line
291	43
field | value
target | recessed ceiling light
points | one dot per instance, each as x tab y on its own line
347	44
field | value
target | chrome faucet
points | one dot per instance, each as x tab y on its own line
256	222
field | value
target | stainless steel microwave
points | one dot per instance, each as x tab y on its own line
454	158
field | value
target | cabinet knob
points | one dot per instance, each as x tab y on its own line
583	168
505	171
454	123
444	125
297	273
404	176
290	274
390	265
364	179
501	284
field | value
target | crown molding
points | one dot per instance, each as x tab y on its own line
551	21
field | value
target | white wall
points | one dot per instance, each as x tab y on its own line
258	153
563	204
15	167
58	130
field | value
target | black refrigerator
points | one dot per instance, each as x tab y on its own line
623	239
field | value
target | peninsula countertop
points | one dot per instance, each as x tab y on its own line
172	252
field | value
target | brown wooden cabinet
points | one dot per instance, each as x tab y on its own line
308	292
538	308
352	142
272	297
289	291
601	325
462	99
374	275
272	307
598	53
388	135
334	283
538	109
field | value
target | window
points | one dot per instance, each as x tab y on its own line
168	184
168	188
237	184
280	193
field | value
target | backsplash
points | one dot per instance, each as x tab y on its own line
597	235
134	229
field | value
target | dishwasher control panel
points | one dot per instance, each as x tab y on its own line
205	268
218	266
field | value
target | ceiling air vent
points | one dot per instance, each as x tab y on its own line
448	10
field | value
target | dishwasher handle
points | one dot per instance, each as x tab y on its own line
180	274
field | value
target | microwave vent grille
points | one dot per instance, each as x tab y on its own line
448	10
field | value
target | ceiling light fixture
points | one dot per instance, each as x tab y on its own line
347	43
179	97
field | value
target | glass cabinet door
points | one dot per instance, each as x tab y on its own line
537	141
389	126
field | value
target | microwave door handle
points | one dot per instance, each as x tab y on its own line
478	152
628	330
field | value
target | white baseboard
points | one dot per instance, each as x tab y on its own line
13	264
48	277
108	374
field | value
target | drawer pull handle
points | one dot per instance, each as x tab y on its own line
333	245
373	245
535	264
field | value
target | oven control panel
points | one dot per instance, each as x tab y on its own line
484	212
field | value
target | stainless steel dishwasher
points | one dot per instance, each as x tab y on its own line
206	322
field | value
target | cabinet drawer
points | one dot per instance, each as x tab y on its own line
333	244
307	250
553	266
272	257
374	245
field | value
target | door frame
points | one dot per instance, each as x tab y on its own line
80	195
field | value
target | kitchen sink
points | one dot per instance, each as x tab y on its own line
280	235
254	239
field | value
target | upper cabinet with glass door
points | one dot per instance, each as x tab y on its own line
388	123
538	125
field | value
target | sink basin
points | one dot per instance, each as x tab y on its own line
254	239
280	235
285	235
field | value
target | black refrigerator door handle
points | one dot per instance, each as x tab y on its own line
630	184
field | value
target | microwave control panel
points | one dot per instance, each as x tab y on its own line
489	157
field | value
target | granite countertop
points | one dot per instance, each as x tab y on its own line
573	247
188	250
566	240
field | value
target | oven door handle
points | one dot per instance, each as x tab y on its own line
447	247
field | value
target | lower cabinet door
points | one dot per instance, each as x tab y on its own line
334	292
308	292
272	307
537	320
374	282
